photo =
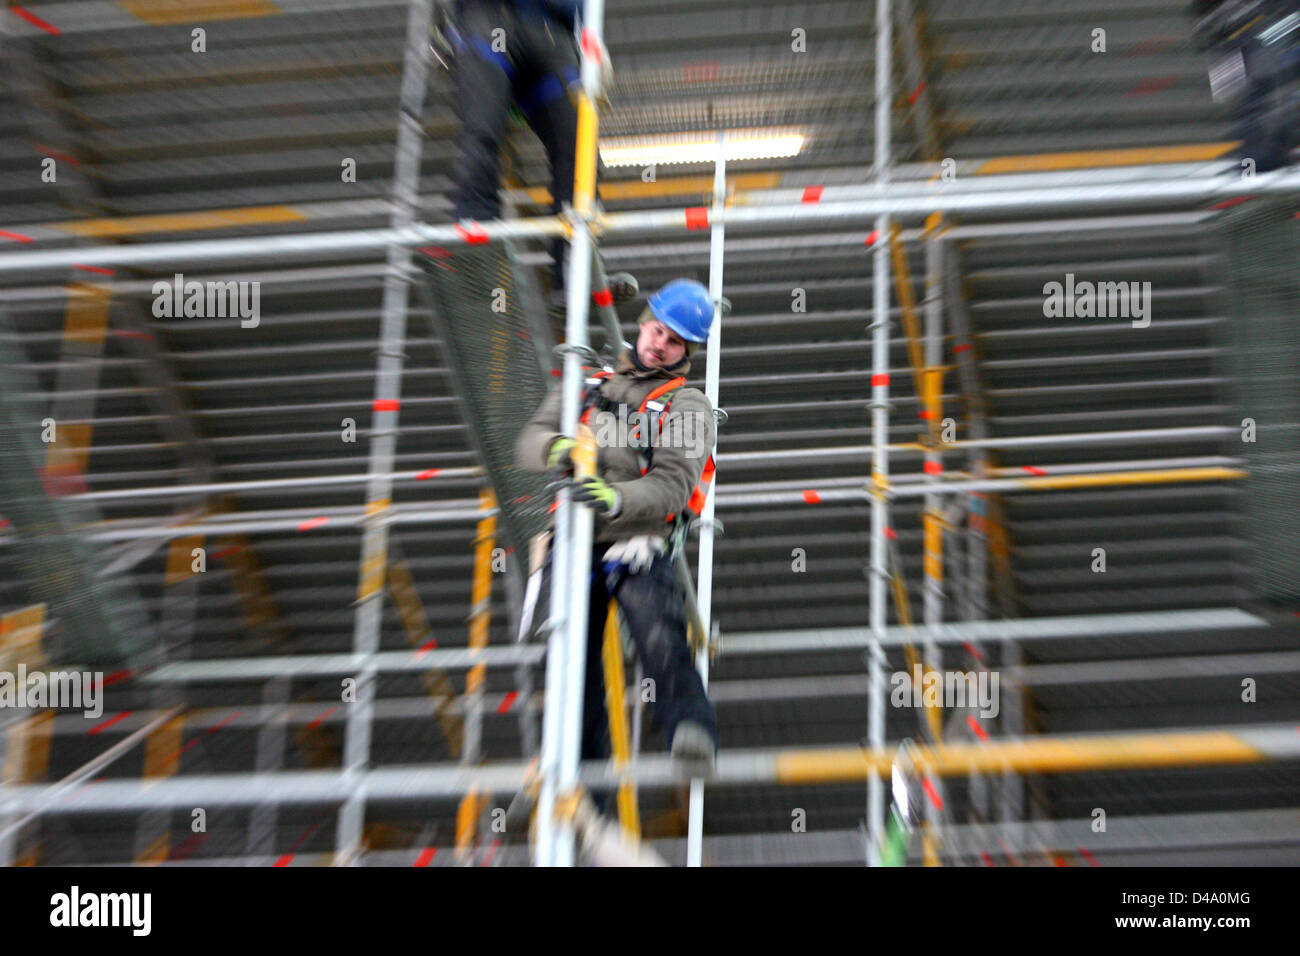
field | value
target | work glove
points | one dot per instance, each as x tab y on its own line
559	454
636	554
597	493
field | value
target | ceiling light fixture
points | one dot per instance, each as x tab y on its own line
702	147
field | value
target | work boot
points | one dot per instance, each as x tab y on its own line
693	751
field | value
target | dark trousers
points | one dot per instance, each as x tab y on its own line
653	606
535	71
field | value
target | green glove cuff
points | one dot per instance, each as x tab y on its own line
557	450
596	490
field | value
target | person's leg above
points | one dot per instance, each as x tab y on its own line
484	92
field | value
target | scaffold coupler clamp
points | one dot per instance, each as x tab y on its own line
585	352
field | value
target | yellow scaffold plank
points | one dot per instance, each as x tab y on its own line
182	222
1098	158
163	12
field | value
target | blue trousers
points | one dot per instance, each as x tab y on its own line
653	606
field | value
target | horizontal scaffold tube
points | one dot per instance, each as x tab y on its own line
1252	743
969	196
733	645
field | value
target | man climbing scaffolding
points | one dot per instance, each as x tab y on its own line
655	441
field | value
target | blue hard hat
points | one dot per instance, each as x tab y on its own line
685	307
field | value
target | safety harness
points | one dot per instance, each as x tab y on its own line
656	402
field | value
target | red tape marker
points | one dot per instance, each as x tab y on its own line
976	729
916	94
215	727
872	237
97	269
110	722
116	676
590	45
1229	203
1088	856
508	702
1034	471
987	860
697	217
425	856
35	21
891	534
961	348
61	157
933	468
321	719
474	235
880	381
284	860
16	237
426	647
312	523
603	297
386	404
1147	87
430	473
813	193
974	652
811	497
933	794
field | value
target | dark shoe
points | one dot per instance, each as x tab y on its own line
622	286
693	751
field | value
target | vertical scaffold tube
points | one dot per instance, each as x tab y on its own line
712	374
383	439
879	440
562	724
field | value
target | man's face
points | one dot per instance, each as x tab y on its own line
658	345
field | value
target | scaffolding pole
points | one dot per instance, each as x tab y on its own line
960	197
712	378
878	574
1242	745
567	633
383	438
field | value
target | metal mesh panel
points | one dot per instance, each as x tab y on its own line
489	319
1262	258
100	619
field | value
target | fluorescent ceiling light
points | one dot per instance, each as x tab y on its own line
700	147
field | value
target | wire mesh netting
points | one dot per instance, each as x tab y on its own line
488	317
100	618
1262	258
